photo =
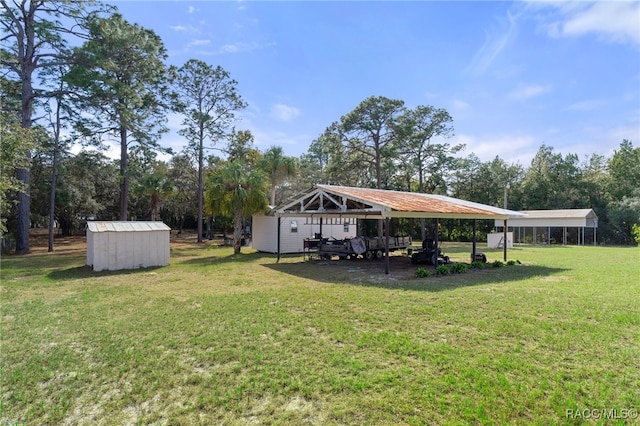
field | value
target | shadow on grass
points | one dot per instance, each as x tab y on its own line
227	258
68	267
402	274
85	271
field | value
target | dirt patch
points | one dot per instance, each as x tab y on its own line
39	241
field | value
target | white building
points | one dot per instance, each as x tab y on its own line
569	226
127	245
294	230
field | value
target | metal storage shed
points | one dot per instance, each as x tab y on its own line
580	219
127	245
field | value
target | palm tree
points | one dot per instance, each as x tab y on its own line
238	191
157	187
278	167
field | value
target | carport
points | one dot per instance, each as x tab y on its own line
547	220
327	202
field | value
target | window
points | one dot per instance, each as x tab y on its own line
294	226
346	227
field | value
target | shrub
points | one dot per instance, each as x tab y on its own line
459	268
511	262
478	265
442	270
422	273
635	231
497	264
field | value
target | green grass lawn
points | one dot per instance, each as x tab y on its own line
221	339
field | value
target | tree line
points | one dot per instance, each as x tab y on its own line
382	144
114	85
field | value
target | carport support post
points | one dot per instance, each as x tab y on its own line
436	242
278	233
505	241
386	247
473	240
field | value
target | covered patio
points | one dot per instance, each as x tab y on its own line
328	202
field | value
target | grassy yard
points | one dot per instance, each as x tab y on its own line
240	340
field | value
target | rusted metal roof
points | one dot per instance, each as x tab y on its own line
128	226
365	202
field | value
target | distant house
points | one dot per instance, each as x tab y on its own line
294	230
127	245
575	226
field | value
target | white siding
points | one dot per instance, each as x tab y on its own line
495	240
127	245
90	253
578	218
264	233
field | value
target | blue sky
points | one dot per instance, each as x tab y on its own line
513	75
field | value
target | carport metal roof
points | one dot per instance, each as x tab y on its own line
330	200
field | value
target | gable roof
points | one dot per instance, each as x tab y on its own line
126	226
329	200
582	218
562	213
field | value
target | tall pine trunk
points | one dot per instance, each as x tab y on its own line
24	212
52	194
124	175
54	176
23	174
200	184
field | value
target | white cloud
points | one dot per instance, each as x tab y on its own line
511	148
611	21
199	42
616	21
265	138
524	92
282	112
494	44
191	10
521	148
238	47
183	29
229	48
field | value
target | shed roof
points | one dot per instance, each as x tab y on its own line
126	226
552	218
559	214
327	200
